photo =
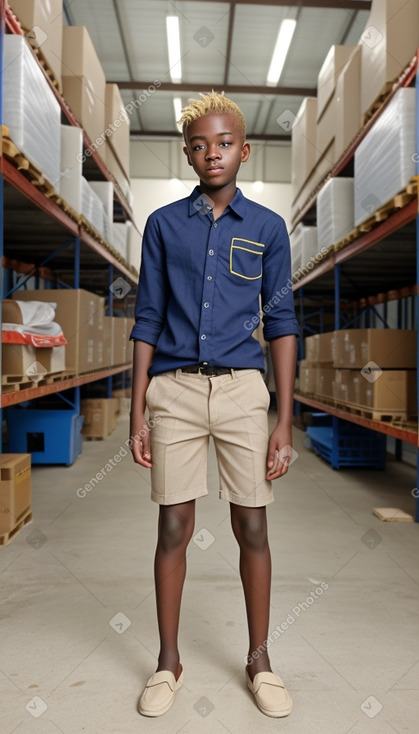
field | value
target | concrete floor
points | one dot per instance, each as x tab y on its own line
79	634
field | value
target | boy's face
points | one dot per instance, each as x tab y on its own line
215	149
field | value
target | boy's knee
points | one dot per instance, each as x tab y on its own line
251	532
175	530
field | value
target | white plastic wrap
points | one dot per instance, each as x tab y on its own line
335	211
104	190
30	109
309	247
92	207
134	241
119	242
71	165
296	242
384	161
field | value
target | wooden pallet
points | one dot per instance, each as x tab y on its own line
398	201
26	517
15	383
22	164
390	416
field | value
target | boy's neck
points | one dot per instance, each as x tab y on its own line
221	197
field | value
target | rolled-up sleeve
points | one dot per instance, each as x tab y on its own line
277	295
153	287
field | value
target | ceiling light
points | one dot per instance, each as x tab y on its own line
177	104
283	42
173	47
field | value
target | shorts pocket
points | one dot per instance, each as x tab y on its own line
246	258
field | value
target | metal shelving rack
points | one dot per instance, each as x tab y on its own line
325	277
54	234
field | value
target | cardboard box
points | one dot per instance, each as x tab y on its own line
324	382
303	149
44	19
15	490
129	323
99	416
329	74
389	42
307	377
117	120
388	394
386	348
319	348
83	81
108	341
348	103
80	314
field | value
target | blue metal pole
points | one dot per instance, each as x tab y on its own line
337	297
109	380
417	296
77	262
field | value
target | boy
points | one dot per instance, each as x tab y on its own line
206	260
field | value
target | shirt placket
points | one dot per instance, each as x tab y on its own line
207	298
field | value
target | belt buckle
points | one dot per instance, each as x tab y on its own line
205	370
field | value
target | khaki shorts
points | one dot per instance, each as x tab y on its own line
186	410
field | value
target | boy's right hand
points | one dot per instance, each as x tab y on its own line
140	441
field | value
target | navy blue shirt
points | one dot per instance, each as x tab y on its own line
200	284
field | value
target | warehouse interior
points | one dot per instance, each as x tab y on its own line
90	95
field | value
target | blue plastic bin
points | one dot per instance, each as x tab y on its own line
347	444
50	436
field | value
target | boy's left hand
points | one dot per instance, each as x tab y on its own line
279	452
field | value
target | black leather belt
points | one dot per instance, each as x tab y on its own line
206	369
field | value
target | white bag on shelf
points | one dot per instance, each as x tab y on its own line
120	232
384	161
335	211
30	109
134	242
92	207
71	165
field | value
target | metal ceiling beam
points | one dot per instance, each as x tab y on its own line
343	5
229	41
173	135
125	49
228	88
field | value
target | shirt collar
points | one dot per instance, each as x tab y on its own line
197	203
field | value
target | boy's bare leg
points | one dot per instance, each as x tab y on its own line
250	529
176	526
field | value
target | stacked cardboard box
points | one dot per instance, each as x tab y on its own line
83	80
376	370
15	494
389	42
327	118
43	19
316	370
99	416
24	359
81	316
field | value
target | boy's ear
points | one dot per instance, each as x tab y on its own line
186	152
245	152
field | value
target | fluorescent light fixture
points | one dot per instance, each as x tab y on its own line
283	42
177	104
173	47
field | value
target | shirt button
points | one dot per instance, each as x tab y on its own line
203	337
215	224
210	252
206	304
209	277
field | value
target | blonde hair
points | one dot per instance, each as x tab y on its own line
212	103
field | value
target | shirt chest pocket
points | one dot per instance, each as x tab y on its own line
246	258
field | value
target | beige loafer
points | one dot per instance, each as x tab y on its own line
270	693
159	693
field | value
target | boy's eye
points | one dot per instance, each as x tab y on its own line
225	143
199	147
